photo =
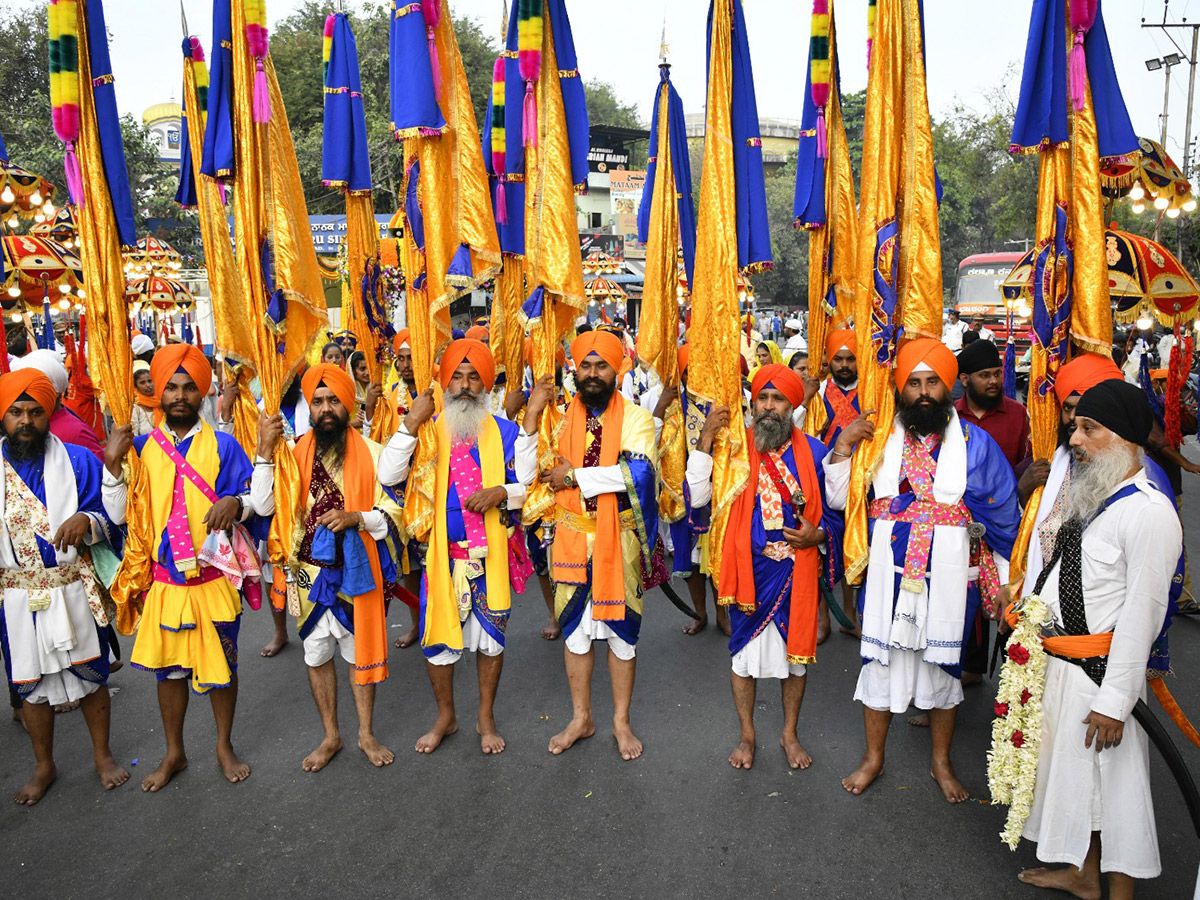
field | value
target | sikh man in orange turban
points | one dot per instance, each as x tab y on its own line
344	558
53	623
944	501
606	528
198	485
476	554
771	564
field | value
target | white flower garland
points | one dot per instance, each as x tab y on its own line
1017	730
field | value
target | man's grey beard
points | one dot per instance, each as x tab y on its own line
464	413
1093	478
771	431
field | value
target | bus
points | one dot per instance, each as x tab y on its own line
977	294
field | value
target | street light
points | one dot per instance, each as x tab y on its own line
1153	65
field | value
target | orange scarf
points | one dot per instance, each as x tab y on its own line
358	492
842	404
737	561
152	405
570	546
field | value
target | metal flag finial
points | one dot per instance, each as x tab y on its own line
183	19
503	22
664	49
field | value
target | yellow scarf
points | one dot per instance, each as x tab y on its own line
442	625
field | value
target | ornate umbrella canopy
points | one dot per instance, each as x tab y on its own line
604	291
151	257
1143	275
600	262
162	293
23	193
1151	178
34	265
1018	284
61	227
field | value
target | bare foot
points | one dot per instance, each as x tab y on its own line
920	720
111	774
552	631
235	770
854	632
1069	879
378	754
490	741
169	767
408	638
951	787
797	756
273	646
742	756
319	758
695	626
35	788
576	730
627	742
723	621
66	707
115	667
433	737
860	779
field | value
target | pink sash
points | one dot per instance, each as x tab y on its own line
178	530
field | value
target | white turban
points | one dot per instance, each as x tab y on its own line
141	344
794	324
46	362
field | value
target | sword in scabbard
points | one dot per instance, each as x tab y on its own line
678	601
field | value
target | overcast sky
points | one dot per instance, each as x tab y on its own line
975	46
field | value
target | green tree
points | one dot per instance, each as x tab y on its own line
606	108
786	283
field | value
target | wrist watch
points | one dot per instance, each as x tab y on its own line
569	480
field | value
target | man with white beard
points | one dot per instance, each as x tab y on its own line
466	593
1106	583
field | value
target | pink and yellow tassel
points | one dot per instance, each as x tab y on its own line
529	62
820	70
327	47
64	87
255	12
498	136
431	10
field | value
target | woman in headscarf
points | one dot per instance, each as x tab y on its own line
147	410
333	353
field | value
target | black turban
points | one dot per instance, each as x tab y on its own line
977	356
1120	407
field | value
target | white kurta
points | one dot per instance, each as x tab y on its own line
1129	556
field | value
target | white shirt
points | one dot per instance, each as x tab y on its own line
952	334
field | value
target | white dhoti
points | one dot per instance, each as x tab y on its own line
765	656
43	647
475	640
580	640
327	636
907	680
1080	791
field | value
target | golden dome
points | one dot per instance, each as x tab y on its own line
160	111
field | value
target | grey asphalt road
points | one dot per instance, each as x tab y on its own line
677	823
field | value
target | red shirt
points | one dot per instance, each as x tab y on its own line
1007	424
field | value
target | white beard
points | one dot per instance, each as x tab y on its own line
1093	482
464	414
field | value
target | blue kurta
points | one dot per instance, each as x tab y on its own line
991	498
773	578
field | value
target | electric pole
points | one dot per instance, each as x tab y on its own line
1166	28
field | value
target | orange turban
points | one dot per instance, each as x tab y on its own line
783	379
1084	371
27	381
843	337
478	333
1159	374
400	339
605	345
333	377
684	352
170	359
933	353
470	351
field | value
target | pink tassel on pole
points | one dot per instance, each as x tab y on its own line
262	96
529	117
1083	16
74	176
431	11
501	203
822	138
